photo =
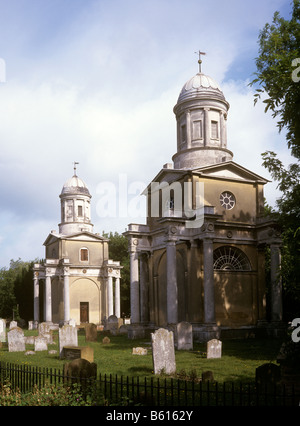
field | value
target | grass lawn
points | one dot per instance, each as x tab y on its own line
239	359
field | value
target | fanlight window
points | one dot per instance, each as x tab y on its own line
231	259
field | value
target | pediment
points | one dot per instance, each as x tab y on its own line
231	171
80	236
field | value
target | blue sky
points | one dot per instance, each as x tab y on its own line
95	81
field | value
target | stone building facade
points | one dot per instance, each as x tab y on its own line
77	280
201	255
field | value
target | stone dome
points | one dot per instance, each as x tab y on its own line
200	86
75	185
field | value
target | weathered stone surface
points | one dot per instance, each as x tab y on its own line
80	368
184	332
214	348
139	351
163	352
91	333
40	344
67	337
16	340
2	330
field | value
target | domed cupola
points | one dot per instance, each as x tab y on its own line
201	114
75	207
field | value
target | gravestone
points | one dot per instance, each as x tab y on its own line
268	374
72	322
112	324
45	331
139	351
40	344
106	340
80	369
67	336
13	324
184	331
2	330
16	340
91	333
214	349
163	352
74	352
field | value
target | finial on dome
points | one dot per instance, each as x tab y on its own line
200	60
75	164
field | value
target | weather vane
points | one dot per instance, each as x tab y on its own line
75	164
200	60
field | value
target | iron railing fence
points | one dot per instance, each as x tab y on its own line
153	391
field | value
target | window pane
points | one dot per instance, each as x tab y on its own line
84	255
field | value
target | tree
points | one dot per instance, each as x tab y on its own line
278	74
288	217
278	79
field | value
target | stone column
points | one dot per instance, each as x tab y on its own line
206	127
223	142
117	298
36	297
144	288
276	284
188	130
172	300
134	287
110	297
66	296
209	290
48	298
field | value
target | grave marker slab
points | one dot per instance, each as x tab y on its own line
184	336
16	340
163	352
2	330
91	333
214	348
67	337
40	344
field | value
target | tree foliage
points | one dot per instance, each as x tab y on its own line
278	74
16	290
278	80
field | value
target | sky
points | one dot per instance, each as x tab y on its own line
95	82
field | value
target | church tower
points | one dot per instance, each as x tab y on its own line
75	207
77	281
207	269
201	114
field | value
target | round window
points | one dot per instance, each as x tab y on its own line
227	200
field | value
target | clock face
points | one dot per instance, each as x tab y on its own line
227	200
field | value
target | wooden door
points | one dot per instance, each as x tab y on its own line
84	312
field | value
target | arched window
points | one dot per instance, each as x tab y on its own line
84	255
228	258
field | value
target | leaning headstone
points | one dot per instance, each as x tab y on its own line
13	324
214	349
184	332
163	352
16	340
2	330
91	333
112	324
67	337
40	344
